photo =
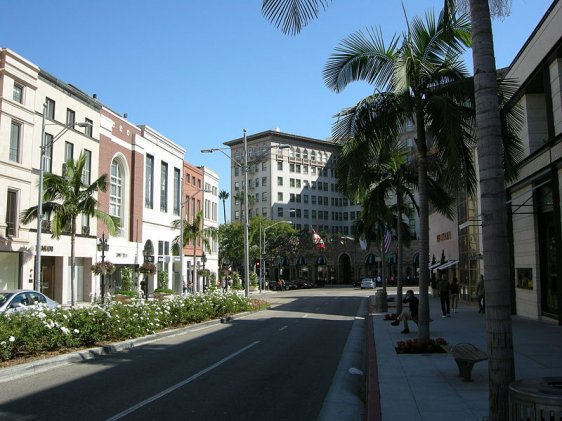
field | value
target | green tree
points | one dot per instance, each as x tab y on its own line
293	15
224	195
193	232
65	198
424	78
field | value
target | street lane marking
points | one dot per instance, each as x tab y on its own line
283	328
306	315
180	384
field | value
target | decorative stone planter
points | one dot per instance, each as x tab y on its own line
123	298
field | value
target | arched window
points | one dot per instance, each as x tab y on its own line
292	152
305	153
313	155
298	153
116	189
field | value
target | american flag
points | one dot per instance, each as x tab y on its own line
387	240
317	240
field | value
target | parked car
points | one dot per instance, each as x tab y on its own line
24	299
367	283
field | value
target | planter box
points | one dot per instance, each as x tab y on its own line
123	298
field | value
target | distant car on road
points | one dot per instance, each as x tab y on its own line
24	299
367	283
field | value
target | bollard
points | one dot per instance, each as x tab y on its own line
381	303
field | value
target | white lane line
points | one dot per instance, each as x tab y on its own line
180	384
306	315
283	328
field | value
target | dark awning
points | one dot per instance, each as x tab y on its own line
391	258
371	259
321	260
416	258
301	261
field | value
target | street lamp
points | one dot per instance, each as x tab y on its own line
262	248
245	169
103	246
43	149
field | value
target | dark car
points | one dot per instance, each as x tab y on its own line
24	299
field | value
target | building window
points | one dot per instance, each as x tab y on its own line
149	186
68	151
48	152
305	198
264	196
291	167
88	131
116	191
177	194
236	186
12	213
292	197
264	212
87	171
163	187
292	182
280	196
50	108
70	117
305	211
279	181
264	181
279	165
298	183
17	94
15	142
264	166
280	211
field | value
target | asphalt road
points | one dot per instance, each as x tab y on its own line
278	364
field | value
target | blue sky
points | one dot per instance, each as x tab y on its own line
201	71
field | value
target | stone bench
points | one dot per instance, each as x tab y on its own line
465	355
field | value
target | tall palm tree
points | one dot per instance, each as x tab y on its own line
65	197
223	195
424	78
193	232
293	15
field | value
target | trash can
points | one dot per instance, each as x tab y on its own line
538	399
381	303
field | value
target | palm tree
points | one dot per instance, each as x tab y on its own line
424	78
293	15
223	195
193	232
65	197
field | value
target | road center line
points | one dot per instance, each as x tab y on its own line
306	315
180	384
283	328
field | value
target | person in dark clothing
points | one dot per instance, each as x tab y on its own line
444	288
408	313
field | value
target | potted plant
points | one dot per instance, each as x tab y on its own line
125	292
103	268
163	292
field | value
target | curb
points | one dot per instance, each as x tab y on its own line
373	388
39	366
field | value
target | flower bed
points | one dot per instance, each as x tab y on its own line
413	346
34	332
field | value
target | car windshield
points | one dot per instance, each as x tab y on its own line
5	296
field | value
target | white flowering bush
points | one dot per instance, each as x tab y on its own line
30	333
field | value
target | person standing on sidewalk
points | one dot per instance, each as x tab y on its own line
480	295
444	289
455	290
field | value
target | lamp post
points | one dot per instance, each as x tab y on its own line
103	246
244	167
262	249
204	260
43	148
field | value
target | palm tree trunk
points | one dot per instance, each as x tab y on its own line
224	209
421	148
400	250
72	261
501	366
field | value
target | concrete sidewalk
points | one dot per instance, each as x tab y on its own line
427	387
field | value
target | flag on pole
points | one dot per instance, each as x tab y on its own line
363	243
387	240
317	240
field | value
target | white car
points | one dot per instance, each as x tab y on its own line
24	299
367	283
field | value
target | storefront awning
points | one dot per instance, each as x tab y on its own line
371	259
391	258
321	260
447	264
301	261
416	258
434	266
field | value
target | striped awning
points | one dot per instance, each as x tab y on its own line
371	259
447	264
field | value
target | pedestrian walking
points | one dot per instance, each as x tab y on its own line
444	289
480	295
455	290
